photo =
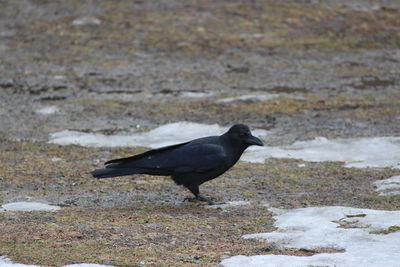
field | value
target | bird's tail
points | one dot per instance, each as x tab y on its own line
113	172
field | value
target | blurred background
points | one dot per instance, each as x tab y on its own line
305	68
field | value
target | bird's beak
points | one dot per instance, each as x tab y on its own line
252	140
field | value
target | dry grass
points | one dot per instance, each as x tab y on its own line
124	222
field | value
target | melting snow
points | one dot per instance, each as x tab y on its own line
86	21
355	152
312	228
388	187
4	262
28	206
47	110
168	134
248	98
189	94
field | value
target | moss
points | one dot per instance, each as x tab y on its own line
391	229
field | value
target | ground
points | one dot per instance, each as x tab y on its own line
136	65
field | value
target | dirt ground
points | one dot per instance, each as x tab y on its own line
116	66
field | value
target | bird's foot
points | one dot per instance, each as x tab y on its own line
200	198
205	199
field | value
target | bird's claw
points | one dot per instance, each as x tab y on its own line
205	199
200	198
188	199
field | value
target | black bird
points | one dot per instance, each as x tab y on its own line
189	164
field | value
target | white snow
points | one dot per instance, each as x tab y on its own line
312	228
390	193
4	262
28	206
86	21
59	77
355	152
189	94
388	187
251	35
47	110
248	98
167	134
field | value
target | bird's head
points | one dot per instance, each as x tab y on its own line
241	133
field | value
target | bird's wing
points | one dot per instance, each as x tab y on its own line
182	158
144	154
199	158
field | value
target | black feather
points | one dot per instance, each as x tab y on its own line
191	163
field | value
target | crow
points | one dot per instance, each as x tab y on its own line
189	164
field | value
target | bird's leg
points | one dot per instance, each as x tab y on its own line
194	188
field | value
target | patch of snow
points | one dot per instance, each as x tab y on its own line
28	206
55	159
4	262
86	21
312	228
7	33
362	7
248	98
261	133
390	193
388	187
167	134
355	152
47	110
251	35
59	77
393	182
195	94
